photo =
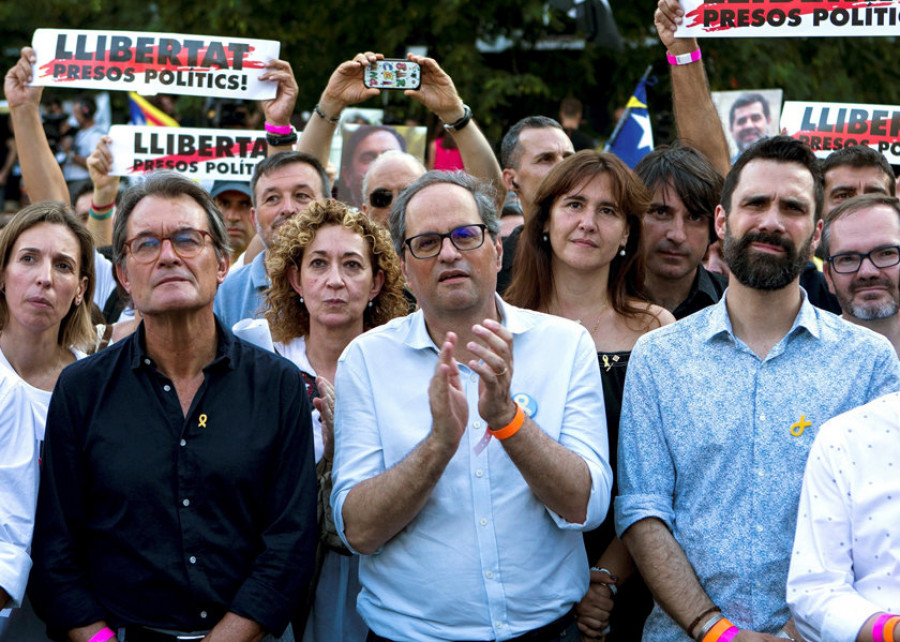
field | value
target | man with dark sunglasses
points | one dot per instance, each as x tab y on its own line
475	452
388	175
861	241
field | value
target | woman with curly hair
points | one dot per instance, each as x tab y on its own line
334	274
579	258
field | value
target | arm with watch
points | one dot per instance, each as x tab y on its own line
436	92
695	114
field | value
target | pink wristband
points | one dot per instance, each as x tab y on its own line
729	634
281	131
878	627
103	635
684	59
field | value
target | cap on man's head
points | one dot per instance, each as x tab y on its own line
220	187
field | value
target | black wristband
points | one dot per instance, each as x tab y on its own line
462	122
281	141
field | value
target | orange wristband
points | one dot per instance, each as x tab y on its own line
512	427
889	627
721	628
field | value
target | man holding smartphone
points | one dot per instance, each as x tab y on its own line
436	91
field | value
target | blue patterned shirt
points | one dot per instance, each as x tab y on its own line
713	441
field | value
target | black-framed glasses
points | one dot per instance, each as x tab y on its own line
381	197
187	243
850	262
464	238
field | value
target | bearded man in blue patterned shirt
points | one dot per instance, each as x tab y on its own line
721	408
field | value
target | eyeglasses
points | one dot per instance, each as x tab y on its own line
464	238
187	244
850	262
381	197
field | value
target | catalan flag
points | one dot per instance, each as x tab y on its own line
143	113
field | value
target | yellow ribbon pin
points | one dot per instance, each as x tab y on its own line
798	428
202	421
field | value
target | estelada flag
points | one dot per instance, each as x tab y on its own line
143	113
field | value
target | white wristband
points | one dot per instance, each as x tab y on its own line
684	59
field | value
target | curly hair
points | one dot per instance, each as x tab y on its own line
288	318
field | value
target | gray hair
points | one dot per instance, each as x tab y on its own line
485	201
168	184
391	153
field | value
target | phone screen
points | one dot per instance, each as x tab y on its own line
393	74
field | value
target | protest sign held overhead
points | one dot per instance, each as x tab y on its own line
788	18
826	127
149	63
221	154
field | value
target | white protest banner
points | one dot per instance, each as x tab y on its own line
826	127
788	18
220	154
149	63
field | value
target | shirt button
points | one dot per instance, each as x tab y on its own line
147	362
759	528
498	625
192	559
489	575
483	521
479	473
186	502
477	424
203	614
183	442
473	378
762	417
167	387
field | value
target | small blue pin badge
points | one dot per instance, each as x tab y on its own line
527	403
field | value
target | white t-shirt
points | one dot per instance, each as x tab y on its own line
23	418
256	331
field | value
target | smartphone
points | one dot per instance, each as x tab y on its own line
393	74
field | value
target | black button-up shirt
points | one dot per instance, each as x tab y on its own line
706	289
147	516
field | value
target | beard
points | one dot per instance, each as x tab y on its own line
764	271
747	139
873	309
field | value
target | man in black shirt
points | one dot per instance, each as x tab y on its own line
678	228
530	149
178	492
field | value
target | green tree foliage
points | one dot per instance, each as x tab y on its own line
524	78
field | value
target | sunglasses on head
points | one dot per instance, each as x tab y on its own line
381	197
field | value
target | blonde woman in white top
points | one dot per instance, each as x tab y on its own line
46	277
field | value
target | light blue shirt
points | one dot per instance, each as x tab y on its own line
242	294
713	441
484	559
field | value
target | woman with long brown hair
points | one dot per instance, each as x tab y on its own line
579	258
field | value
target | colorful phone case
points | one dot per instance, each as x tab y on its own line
393	74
